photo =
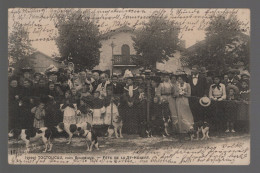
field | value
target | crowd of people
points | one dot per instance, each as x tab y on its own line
62	95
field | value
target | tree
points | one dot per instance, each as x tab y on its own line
156	42
19	48
224	45
78	39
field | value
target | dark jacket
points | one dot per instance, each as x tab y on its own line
200	89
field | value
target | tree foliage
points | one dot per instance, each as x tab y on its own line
224	46
78	39
156	42
19	48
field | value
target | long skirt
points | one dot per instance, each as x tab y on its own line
217	119
13	115
107	117
69	115
185	118
130	119
197	110
172	107
243	111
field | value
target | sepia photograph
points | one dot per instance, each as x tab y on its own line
129	86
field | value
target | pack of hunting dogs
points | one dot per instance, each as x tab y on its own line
90	134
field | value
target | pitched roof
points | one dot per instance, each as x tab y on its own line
46	56
109	34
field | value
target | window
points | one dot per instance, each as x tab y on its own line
125	50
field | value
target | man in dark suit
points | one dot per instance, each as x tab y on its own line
118	88
95	75
231	78
198	85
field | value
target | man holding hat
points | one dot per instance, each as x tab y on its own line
198	85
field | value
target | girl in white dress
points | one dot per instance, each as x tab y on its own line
68	109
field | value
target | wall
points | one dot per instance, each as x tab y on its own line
42	62
119	39
172	64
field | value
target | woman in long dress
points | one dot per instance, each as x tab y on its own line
129	114
167	93
185	117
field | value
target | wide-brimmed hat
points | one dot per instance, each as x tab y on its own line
195	66
245	73
235	88
233	71
204	101
203	70
157	79
165	73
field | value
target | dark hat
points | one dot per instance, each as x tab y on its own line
97	71
49	73
165	73
132	78
13	78
203	70
245	73
114	75
157	79
233	71
37	73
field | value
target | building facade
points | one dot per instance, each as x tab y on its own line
119	43
42	61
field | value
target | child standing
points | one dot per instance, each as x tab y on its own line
98	109
84	113
39	114
231	107
69	109
141	104
217	93
243	109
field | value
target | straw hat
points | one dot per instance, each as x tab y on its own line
204	101
235	88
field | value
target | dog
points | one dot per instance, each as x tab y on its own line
146	130
91	136
161	126
166	122
31	135
198	127
117	125
73	129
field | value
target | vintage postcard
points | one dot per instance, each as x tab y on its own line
128	86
